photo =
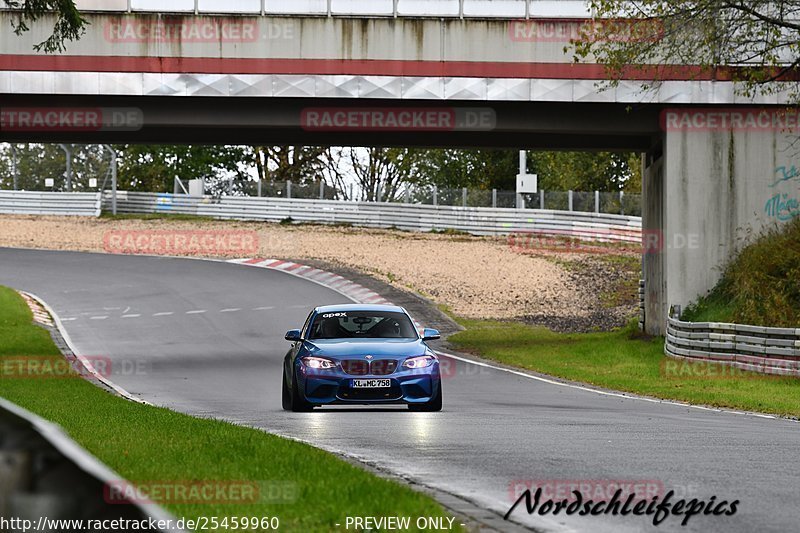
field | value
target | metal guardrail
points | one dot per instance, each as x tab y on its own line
641	305
509	9
475	220
85	204
755	348
43	473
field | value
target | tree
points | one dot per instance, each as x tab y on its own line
381	174
558	171
454	168
754	42
298	164
37	162
153	168
69	24
589	171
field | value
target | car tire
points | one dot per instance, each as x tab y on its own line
286	394
435	403
299	404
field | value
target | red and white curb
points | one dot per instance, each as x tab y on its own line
40	314
354	291
358	293
40	308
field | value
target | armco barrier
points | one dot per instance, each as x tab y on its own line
85	204
641	305
475	220
43	473
753	348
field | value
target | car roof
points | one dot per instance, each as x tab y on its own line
358	307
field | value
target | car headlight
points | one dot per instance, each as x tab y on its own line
318	363
419	362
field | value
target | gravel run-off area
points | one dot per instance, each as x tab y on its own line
473	277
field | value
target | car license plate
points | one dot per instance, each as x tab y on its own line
371	383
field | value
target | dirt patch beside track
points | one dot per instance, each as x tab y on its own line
475	277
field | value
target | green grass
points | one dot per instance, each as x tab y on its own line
149	444
627	361
761	286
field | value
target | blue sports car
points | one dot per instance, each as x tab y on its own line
361	354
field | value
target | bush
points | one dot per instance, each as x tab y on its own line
761	286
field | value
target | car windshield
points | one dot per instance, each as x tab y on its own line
362	324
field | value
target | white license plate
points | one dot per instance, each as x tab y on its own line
371	383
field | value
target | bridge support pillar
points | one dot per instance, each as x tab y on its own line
715	191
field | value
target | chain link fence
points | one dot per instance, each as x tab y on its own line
581	201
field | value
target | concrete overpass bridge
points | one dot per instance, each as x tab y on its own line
469	73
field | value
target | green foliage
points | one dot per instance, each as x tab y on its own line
588	171
69	24
761	286
718	37
36	162
153	168
558	171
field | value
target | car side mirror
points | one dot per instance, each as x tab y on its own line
293	335
430	334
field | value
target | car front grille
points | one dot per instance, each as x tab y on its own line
382	367
361	367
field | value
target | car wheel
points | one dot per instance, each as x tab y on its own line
299	404
435	403
286	394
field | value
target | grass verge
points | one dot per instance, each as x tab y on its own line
156	445
624	360
760	286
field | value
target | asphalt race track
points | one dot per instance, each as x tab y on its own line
206	338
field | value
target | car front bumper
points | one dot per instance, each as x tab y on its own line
323	387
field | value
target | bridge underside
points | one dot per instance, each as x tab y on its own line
214	120
431	82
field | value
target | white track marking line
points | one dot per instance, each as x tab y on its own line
83	360
196	312
98	317
230	310
607	393
166	313
338	284
68	319
134	315
264	308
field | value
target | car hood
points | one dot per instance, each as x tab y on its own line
377	348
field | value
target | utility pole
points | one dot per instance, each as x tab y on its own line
68	174
14	166
113	178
